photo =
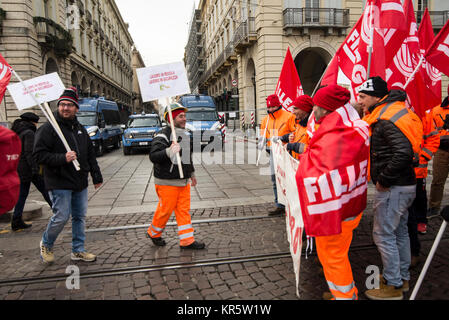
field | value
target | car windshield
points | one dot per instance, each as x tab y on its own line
201	116
87	118
143	122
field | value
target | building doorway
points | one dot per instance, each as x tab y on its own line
311	64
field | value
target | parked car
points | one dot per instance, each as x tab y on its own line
140	131
101	118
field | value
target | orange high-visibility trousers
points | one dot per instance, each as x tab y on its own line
173	199
333	254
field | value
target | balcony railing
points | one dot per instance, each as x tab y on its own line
53	36
244	32
438	18
316	17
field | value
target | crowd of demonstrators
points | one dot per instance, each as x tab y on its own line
172	190
276	124
67	187
28	169
401	146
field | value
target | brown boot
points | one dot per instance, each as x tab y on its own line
327	296
385	292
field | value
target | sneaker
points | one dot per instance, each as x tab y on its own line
157	241
46	254
196	245
422	228
83	256
386	292
277	212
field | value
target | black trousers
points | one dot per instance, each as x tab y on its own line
417	213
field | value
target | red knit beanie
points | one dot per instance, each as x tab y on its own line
175	113
273	101
332	97
304	103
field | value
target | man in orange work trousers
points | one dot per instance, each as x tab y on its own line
173	192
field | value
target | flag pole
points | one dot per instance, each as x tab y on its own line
370	46
322	76
414	72
174	138
263	143
51	119
429	259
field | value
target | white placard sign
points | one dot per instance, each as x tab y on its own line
285	170
162	81
44	89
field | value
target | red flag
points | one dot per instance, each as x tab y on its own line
5	76
289	86
332	173
431	75
438	52
403	65
331	73
352	56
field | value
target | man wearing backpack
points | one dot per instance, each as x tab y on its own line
28	169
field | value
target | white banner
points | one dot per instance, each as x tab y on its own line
44	89
163	81
285	167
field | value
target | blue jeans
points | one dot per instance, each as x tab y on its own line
67	203
273	180
38	182
390	232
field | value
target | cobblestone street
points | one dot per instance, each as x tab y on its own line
247	255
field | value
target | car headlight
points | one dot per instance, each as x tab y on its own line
128	135
93	133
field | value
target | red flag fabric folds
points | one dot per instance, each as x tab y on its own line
5	76
332	173
438	52
289	86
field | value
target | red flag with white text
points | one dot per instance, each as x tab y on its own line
5	76
332	173
352	56
438	52
289	86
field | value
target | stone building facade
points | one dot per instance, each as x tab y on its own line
85	41
241	44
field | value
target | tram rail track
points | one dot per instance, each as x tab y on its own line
170	266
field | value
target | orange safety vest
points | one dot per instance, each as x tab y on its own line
439	115
278	124
430	144
300	136
403	118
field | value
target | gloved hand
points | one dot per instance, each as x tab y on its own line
446	123
172	151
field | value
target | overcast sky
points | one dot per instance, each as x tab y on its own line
159	28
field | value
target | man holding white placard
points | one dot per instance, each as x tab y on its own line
172	190
67	187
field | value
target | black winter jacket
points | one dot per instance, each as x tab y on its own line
163	166
27	165
391	152
50	151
